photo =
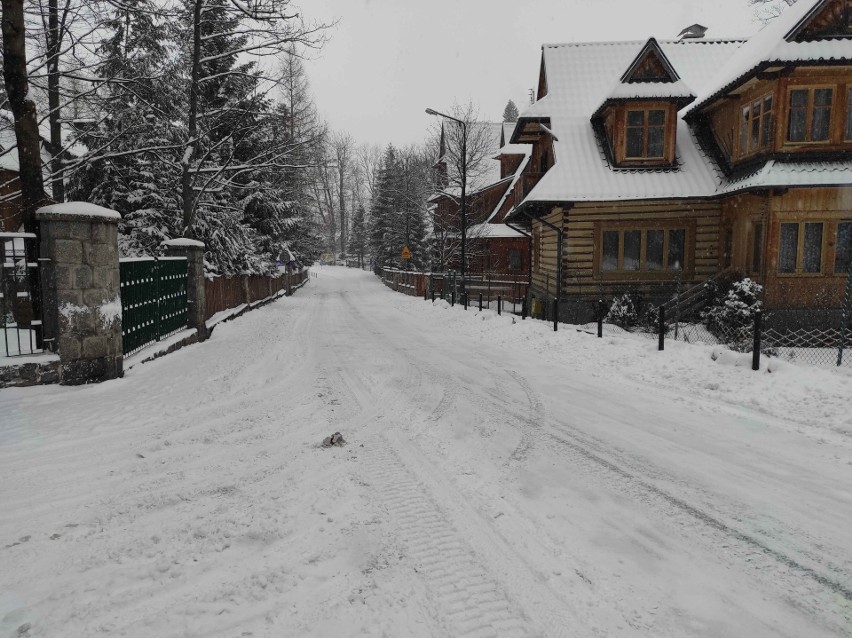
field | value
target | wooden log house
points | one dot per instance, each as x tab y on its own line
667	163
492	247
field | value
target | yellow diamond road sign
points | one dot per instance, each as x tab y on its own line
406	254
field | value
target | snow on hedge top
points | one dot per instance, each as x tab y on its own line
183	242
77	209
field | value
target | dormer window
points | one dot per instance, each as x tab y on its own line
645	134
756	125
809	116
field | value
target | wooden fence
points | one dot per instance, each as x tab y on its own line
223	293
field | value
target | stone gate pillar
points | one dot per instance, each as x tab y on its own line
195	297
81	290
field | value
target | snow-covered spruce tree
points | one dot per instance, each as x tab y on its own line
358	237
227	105
510	113
732	316
384	241
132	134
623	312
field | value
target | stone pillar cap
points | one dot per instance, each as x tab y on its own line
183	242
77	212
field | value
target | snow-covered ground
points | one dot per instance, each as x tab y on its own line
498	480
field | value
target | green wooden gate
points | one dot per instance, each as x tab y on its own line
153	300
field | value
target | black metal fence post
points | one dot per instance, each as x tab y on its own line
755	352
845	315
499	304
464	297
600	318
480	302
662	329
453	298
433	295
555	314
524	308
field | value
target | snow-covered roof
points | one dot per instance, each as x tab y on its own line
580	77
650	91
512	149
495	231
775	44
792	174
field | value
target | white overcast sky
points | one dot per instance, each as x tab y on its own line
390	59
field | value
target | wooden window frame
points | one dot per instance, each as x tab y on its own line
766	137
643	274
619	134
834	233
646	112
847	121
809	113
829	228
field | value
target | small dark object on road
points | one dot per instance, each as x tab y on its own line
334	439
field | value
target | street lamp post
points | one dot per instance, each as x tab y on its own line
463	188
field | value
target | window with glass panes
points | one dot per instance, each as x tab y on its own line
645	134
848	134
800	249
809	117
843	247
756	125
643	250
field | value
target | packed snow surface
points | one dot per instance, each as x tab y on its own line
498	479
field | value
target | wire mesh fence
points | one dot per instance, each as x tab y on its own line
817	337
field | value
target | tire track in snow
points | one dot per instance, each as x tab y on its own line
817	594
469	601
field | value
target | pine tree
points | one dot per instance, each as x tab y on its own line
510	113
358	238
132	141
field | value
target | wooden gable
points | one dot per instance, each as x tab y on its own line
831	19
651	65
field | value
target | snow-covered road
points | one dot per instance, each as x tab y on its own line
499	480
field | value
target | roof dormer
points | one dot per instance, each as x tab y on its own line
829	19
637	121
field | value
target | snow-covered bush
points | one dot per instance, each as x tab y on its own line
731	317
623	312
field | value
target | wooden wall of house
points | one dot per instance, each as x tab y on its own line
491	255
725	116
585	222
544	242
741	214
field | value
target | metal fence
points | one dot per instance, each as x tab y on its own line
153	299
20	315
819	337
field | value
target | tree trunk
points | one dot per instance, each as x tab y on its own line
24	111
54	43
192	143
